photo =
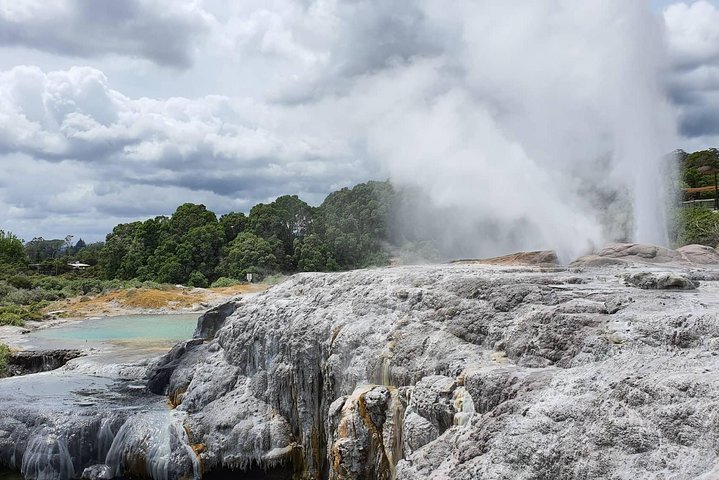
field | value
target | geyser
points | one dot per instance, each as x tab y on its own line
538	124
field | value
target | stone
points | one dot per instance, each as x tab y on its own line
160	372
660	281
699	254
212	320
25	362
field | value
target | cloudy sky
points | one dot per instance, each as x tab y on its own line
116	111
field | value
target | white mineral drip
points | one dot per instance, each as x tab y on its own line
463	406
105	436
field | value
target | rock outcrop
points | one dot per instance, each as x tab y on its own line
640	253
211	321
459	372
435	372
34	361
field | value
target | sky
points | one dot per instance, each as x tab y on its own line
117	111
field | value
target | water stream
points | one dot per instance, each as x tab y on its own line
95	411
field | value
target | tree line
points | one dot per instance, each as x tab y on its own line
196	247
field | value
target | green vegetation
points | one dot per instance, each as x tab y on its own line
695	224
700	169
698	225
196	248
4	354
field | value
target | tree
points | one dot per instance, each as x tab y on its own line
248	253
353	223
286	219
79	246
68	244
188	216
233	224
313	255
12	252
706	162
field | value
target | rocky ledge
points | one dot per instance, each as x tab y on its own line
461	372
34	361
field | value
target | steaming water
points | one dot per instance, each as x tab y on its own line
542	125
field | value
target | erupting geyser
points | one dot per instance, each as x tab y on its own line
544	125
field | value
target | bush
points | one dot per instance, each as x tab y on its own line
197	279
4	354
5	289
226	282
8	318
20	281
698	225
17	315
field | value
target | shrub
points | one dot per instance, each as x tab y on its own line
226	282
698	225
5	289
4	354
20	281
8	318
197	279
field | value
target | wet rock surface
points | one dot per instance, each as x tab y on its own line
34	361
433	372
461	372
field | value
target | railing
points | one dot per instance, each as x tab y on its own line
705	203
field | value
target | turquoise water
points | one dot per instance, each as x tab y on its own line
130	329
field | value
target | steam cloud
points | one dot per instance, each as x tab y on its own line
543	125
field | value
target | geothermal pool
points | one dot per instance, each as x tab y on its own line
100	399
156	332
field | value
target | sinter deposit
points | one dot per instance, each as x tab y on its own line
606	369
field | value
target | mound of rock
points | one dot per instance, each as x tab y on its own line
458	372
435	372
639	253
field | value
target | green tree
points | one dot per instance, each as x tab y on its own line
12	251
233	224
353	224
189	216
117	245
200	249
248	253
705	162
286	219
313	255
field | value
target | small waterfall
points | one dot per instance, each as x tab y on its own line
155	445
105	437
392	431
47	458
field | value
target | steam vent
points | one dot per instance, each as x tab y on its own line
603	369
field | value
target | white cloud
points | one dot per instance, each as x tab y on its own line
692	33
